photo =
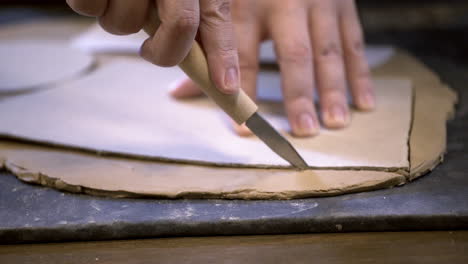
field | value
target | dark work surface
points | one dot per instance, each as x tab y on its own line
437	201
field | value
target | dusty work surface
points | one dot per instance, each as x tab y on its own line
437	201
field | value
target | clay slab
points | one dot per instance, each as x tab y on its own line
80	172
124	108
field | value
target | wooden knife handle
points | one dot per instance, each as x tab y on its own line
238	106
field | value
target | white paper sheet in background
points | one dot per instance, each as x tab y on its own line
124	107
96	40
27	64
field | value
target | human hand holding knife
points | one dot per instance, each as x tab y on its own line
238	106
319	47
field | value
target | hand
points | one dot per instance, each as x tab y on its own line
319	46
181	20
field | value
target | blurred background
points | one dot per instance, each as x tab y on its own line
428	28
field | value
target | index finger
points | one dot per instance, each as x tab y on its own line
329	65
175	35
295	59
357	68
217	35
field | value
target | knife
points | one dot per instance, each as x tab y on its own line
238	106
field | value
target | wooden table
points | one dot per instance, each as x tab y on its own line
387	247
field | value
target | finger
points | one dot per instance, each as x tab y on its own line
124	17
247	30
217	35
185	88
357	68
329	68
294	54
94	8
176	33
241	130
248	33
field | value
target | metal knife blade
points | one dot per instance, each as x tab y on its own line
275	141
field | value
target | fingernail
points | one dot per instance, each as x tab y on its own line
367	101
336	117
306	126
231	80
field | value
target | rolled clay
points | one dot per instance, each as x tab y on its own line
133	116
77	171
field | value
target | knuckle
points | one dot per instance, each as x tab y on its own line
223	7
216	13
356	47
329	50
299	53
187	21
217	9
